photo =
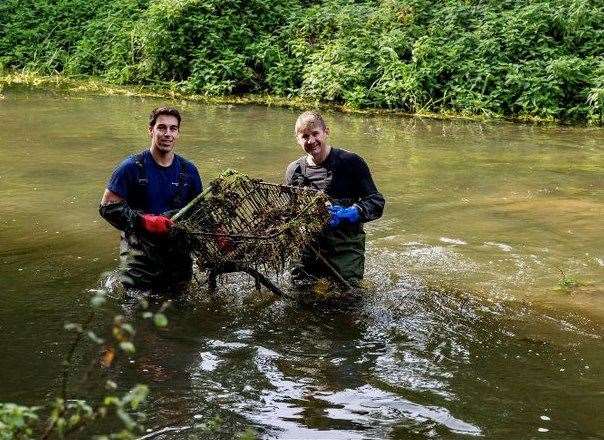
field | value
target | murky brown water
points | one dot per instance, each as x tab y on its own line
465	332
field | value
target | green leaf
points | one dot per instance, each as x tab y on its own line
82	407
111	401
60	424
143	303
73	420
127	347
136	396
160	320
97	301
248	434
215	423
16	421
73	326
128	327
126	419
94	338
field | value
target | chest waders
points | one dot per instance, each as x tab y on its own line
148	261
343	247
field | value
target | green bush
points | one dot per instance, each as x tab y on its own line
513	58
209	46
16	421
109	46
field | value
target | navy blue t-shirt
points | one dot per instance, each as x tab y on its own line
162	183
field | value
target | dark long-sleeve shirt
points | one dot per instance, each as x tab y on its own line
345	178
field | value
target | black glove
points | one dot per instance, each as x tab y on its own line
120	215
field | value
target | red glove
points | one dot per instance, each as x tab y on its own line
224	242
156	224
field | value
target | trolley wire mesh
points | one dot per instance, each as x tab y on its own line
247	221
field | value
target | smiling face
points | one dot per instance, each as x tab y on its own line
312	137
164	134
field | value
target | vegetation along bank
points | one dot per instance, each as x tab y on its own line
534	59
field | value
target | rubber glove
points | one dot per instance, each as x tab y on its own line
223	241
156	224
340	214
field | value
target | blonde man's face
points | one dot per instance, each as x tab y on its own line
312	137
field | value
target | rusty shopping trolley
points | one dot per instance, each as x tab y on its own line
240	224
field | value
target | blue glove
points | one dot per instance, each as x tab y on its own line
340	214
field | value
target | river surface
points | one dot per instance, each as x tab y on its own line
465	331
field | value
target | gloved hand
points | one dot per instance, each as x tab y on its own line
156	224
340	214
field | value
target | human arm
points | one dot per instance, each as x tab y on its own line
114	205
289	173
116	211
370	202
109	198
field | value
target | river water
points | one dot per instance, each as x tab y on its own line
465	330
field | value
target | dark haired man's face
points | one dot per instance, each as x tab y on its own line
164	133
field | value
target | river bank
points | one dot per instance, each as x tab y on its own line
99	87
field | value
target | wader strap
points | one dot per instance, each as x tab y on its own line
141	177
139	199
178	200
299	177
303	165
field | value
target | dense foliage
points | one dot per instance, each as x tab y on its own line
535	58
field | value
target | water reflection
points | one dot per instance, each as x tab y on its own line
338	377
409	362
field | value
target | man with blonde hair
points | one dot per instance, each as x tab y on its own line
345	178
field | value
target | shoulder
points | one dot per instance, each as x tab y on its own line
135	161
347	156
293	165
128	165
124	176
291	169
188	165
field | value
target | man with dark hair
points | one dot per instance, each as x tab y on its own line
345	178
141	194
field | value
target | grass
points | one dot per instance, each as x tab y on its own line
568	283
